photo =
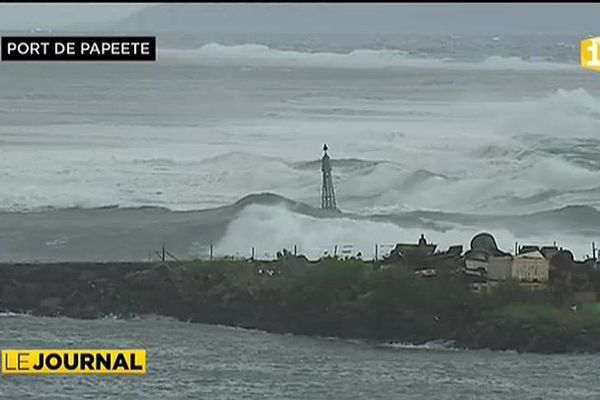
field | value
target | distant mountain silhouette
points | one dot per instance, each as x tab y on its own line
381	18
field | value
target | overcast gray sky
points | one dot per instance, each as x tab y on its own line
448	18
57	15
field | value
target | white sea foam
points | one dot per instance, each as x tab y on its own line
261	55
487	137
5	314
435	345
500	156
272	228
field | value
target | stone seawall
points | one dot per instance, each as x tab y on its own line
85	290
352	299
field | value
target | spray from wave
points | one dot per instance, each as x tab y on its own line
434	345
10	314
261	55
270	228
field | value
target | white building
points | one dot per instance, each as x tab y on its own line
531	267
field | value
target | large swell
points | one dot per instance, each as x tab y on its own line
503	157
444	144
266	223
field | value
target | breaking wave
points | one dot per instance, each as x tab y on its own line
269	222
435	345
253	54
508	160
5	314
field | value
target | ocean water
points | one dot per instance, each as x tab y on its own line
442	135
195	361
220	143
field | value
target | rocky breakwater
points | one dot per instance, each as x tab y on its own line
83	290
343	298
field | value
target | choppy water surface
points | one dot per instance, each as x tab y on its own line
459	126
195	361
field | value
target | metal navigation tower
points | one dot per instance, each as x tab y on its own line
327	192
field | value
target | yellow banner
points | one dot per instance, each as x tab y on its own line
73	361
590	54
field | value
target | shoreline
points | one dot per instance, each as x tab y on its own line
348	299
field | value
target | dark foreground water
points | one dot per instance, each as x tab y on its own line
195	361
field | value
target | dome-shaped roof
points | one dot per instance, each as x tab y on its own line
485	242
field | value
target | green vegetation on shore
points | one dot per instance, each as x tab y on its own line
350	298
353	298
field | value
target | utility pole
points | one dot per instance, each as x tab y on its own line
162	254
